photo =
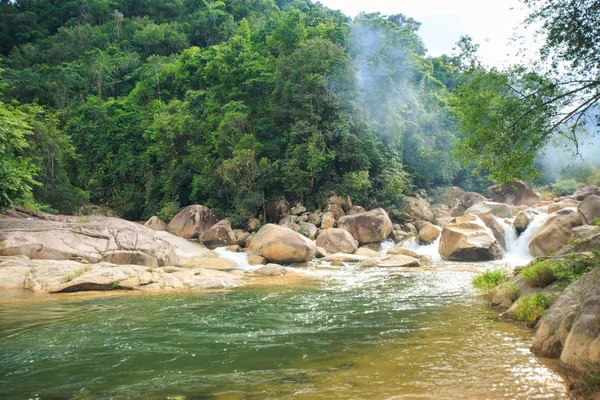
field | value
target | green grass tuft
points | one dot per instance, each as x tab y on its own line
75	274
531	308
541	273
490	279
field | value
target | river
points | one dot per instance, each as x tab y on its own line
343	332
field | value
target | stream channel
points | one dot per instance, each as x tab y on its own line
341	333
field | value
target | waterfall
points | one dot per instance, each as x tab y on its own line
517	248
240	259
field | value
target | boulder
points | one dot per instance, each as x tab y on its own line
421	224
515	193
391	261
99	239
411	228
429	233
277	209
298	209
341	257
402	251
468	239
253	224
497	227
469	199
192	221
219	235
523	219
256	260
418	209
569	330
443	221
586	191
498	209
355	210
307	229
156	224
271	270
336	210
303	218
364	251
315	218
590	209
282	245
328	221
369	227
336	240
60	276
555	233
240	237
583	239
562	204
321	252
288	219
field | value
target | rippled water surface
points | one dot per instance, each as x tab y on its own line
370	334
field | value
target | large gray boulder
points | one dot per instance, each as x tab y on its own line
589	209
192	221
468	239
418	209
555	233
101	239
337	240
282	245
368	227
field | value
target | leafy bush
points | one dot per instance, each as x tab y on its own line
541	273
490	279
441	195
487	282
538	274
565	187
530	309
169	210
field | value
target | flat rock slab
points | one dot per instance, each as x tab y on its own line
391	261
341	257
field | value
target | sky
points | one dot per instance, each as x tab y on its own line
491	23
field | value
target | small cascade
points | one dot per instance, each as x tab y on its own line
240	259
431	250
517	247
385	246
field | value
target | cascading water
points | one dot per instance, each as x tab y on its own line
240	259
517	247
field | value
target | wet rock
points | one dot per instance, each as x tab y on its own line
391	261
282	245
429	233
364	251
402	251
368	227
256	260
271	270
468	239
192	221
523	219
555	233
336	240
350	258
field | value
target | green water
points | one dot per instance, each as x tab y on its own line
372	334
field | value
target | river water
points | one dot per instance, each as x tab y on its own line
343	332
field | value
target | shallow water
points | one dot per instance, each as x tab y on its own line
369	334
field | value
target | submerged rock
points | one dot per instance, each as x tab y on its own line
468	239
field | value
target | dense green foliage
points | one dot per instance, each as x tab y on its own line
148	105
489	282
508	116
